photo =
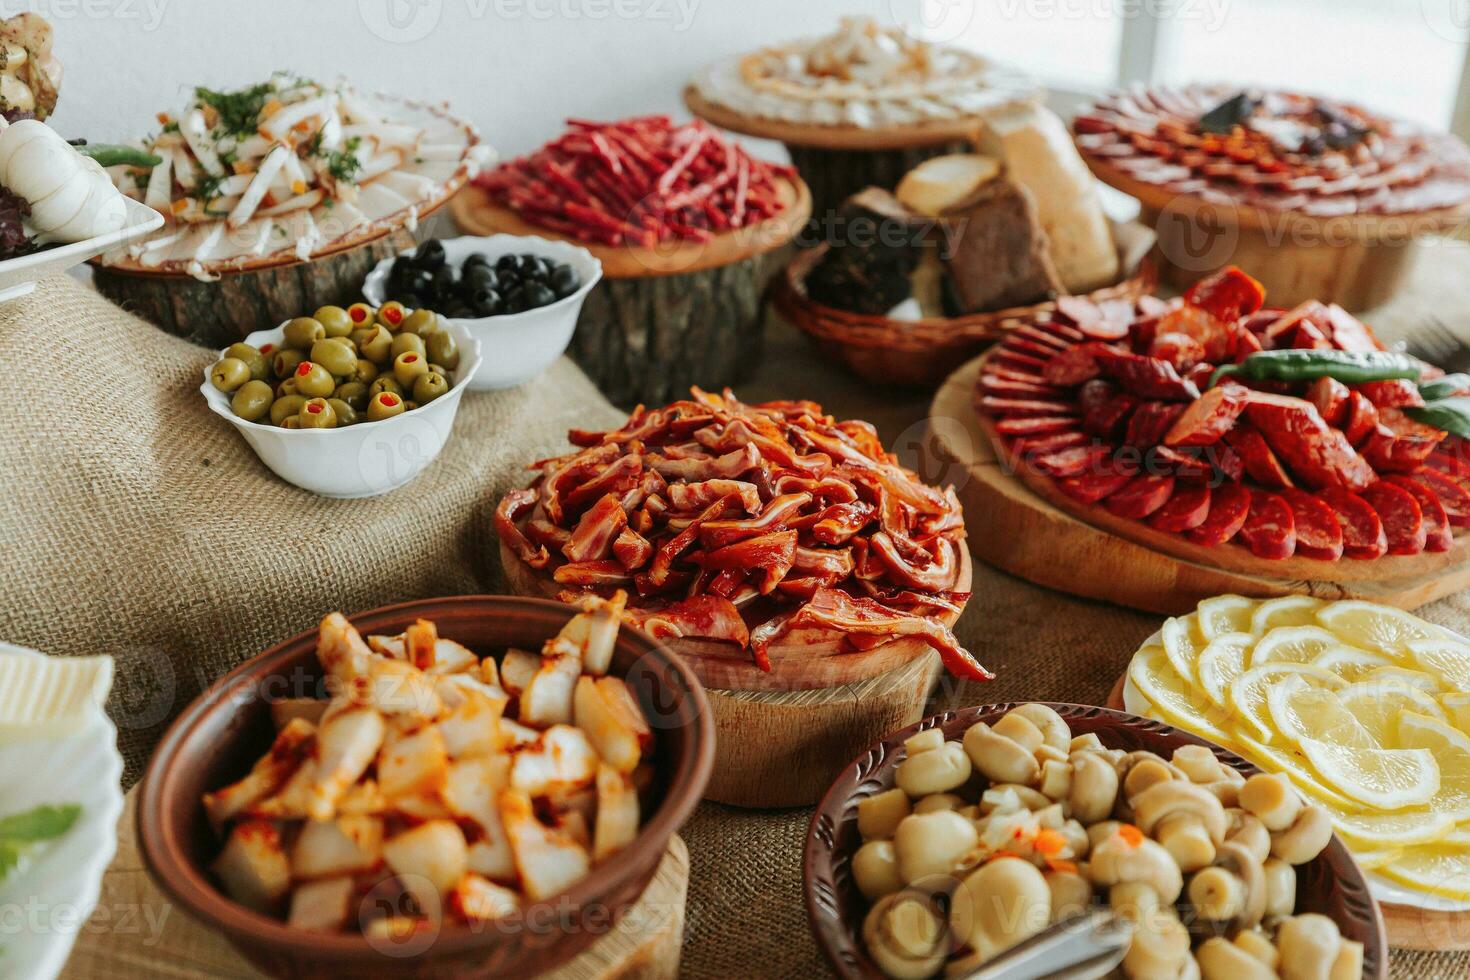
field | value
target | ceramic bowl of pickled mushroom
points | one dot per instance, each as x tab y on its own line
418	867
955	839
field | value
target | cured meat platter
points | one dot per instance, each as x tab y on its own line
1087	479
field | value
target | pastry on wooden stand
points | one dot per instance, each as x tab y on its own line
280	197
860	106
682	221
808	580
1318	198
1156	453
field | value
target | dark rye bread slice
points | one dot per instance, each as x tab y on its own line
874	246
997	250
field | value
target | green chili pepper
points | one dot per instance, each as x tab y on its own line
1349	367
111	155
1445	387
1449	414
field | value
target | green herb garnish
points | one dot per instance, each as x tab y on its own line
239	111
343	164
20	831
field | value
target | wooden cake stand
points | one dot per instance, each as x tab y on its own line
664	317
1020	523
781	736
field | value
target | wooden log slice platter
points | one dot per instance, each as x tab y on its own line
781	736
1407	926
1020	523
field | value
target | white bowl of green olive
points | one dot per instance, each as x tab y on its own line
347	402
489	285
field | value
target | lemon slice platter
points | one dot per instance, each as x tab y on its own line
1366	708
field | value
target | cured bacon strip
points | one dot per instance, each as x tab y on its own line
632	549
592	573
693	496
596	531
718	534
511	506
937	575
770	554
727	467
835	609
618	478
708	617
663	559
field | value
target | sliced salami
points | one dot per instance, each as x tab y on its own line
1035	425
1057	328
1143	495
1016	342
1039	336
1362	419
1073	366
1332	398
1183	465
1090	318
1104	412
1149	422
1089	488
1230	505
1006	388
1318	532
1257	458
1453	466
1403	521
1016	361
1026	406
1362	530
1270	529
1438	535
1397	393
1072	461
1040	445
1208	418
993	370
1453	497
1185	511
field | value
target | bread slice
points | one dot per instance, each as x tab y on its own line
941	183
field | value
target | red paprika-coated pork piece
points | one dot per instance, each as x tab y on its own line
1270	529
1143	495
1228	294
1332	399
1185	511
1230	505
1362	529
1318	532
1438	535
1204	421
1403	521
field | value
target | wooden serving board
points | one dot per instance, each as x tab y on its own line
1407	927
477	214
1020	522
782	736
135	931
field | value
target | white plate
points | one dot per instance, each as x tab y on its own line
19	276
46	903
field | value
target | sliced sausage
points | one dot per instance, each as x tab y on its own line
1453	497
1182	465
1024	345
1026	406
1362	530
1332	399
1146	377
1451	465
1403	521
1318	532
1035	425
1090	318
1396	393
993	370
1037	335
1006	388
1257	458
1089	488
1229	294
1072	461
1042	444
1105	418
1270	529
1149	422
1065	331
1017	361
1185	511
1073	365
1362	419
1438	535
1204	421
1230	505
1143	495
1179	349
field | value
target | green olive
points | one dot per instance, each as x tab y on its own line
229	373
259	366
302	332
409	405
287	387
317	413
427	387
384	383
291	422
384	405
336	357
252	400
408	366
286	407
443	349
366	371
378	348
391	315
334	319
361	334
314	381
406	341
346	414
421	322
438	369
354	393
362	315
286	361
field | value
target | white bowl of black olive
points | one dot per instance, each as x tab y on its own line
518	295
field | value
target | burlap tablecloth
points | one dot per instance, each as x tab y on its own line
137	523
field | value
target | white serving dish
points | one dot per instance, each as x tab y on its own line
524	344
363	460
54	892
19	276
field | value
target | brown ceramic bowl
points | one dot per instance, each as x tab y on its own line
218	737
1332	884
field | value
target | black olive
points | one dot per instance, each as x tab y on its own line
476	259
445	278
515	301
539	294
508	263
480	276
537	270
565	281
419	281
430	254
486	302
409	298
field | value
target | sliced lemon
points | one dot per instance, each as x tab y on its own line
1350	663
1457	705
1451	750
1292	645
1248	694
1389	779
1403	675
1368	860
1369	831
1448	660
1154	677
1458	837
1182	643
1299	711
1374	627
1221	662
1225	614
1433	868
1291	610
1294	766
1377	704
